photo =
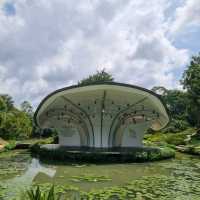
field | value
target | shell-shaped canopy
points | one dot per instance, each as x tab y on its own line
77	104
101	114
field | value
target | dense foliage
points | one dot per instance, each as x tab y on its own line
99	77
14	123
177	103
37	194
184	106
191	82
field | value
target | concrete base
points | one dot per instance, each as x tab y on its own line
101	155
113	150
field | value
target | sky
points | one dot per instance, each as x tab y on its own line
46	45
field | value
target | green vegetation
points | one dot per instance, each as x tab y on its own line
99	77
159	180
37	194
180	138
90	178
191	83
13	164
179	184
14	123
48	191
11	145
147	188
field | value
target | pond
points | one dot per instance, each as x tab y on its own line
177	178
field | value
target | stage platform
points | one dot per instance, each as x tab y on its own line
102	155
113	150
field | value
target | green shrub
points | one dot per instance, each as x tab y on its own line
15	125
177	139
176	126
160	138
10	146
37	194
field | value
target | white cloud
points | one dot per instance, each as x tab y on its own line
186	16
50	44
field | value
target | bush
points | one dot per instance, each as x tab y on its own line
10	146
177	139
15	125
176	126
160	138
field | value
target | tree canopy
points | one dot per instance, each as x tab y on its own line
3	106
14	123
27	108
177	102
98	77
8	101
191	82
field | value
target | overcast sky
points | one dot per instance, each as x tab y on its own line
45	45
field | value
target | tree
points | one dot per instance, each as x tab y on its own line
160	90
3	106
177	102
15	125
8	100
99	77
191	82
27	108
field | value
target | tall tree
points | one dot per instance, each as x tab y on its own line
8	100
191	82
176	102
14	123
3	106
27	108
160	90
99	77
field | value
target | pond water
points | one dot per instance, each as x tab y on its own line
177	178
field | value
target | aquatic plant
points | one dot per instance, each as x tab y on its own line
2	190
37	194
13	163
56	192
90	178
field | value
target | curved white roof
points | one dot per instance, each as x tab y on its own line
105	105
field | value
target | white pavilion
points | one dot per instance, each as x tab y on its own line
103	115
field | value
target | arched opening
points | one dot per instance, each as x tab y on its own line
73	136
129	133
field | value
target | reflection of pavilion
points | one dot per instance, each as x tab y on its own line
26	179
102	115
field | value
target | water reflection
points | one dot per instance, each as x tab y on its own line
20	182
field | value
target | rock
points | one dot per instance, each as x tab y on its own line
3	143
